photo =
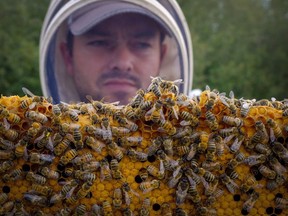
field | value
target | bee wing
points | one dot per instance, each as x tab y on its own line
231	95
27	92
6	124
224	101
32	105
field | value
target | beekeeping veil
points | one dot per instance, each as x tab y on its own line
63	15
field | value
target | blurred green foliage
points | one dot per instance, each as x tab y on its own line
240	45
237	45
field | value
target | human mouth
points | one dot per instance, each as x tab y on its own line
119	84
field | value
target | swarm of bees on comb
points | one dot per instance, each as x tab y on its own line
161	154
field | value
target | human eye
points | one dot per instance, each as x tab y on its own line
99	43
141	45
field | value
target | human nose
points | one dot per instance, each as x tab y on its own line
122	59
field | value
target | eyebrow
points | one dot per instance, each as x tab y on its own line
142	34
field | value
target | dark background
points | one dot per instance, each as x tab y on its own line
239	45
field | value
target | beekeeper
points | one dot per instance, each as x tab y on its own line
109	49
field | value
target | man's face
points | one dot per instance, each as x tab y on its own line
116	58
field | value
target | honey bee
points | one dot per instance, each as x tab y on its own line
252	160
193	194
155	114
91	166
13	118
166	127
154	171
280	151
56	110
96	210
131	141
6	165
84	175
117	198
124	122
168	146
45	140
180	212
127	193
211	121
263	149
13	175
76	133
49	173
211	166
226	132
6	144
68	189
181	191
120	131
249	203
148	186
219	145
232	121
229	183
35	178
68	156
171	85
38	158
80	210
21	149
137	99
79	160
35	199
94	144
36	116
3	198
174	179
229	102
137	155
115	151
130	113
166	209
8	133
143	174
281	203
84	190
275	128
71	200
115	171
245	107
208	176
239	158
107	208
203	145
236	144
212	198
169	162
41	190
156	144
19	208
211	150
105	171
276	165
6	207
73	114
145	208
248	183
34	130
56	198
267	172
62	146
127	212
7	155
260	136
